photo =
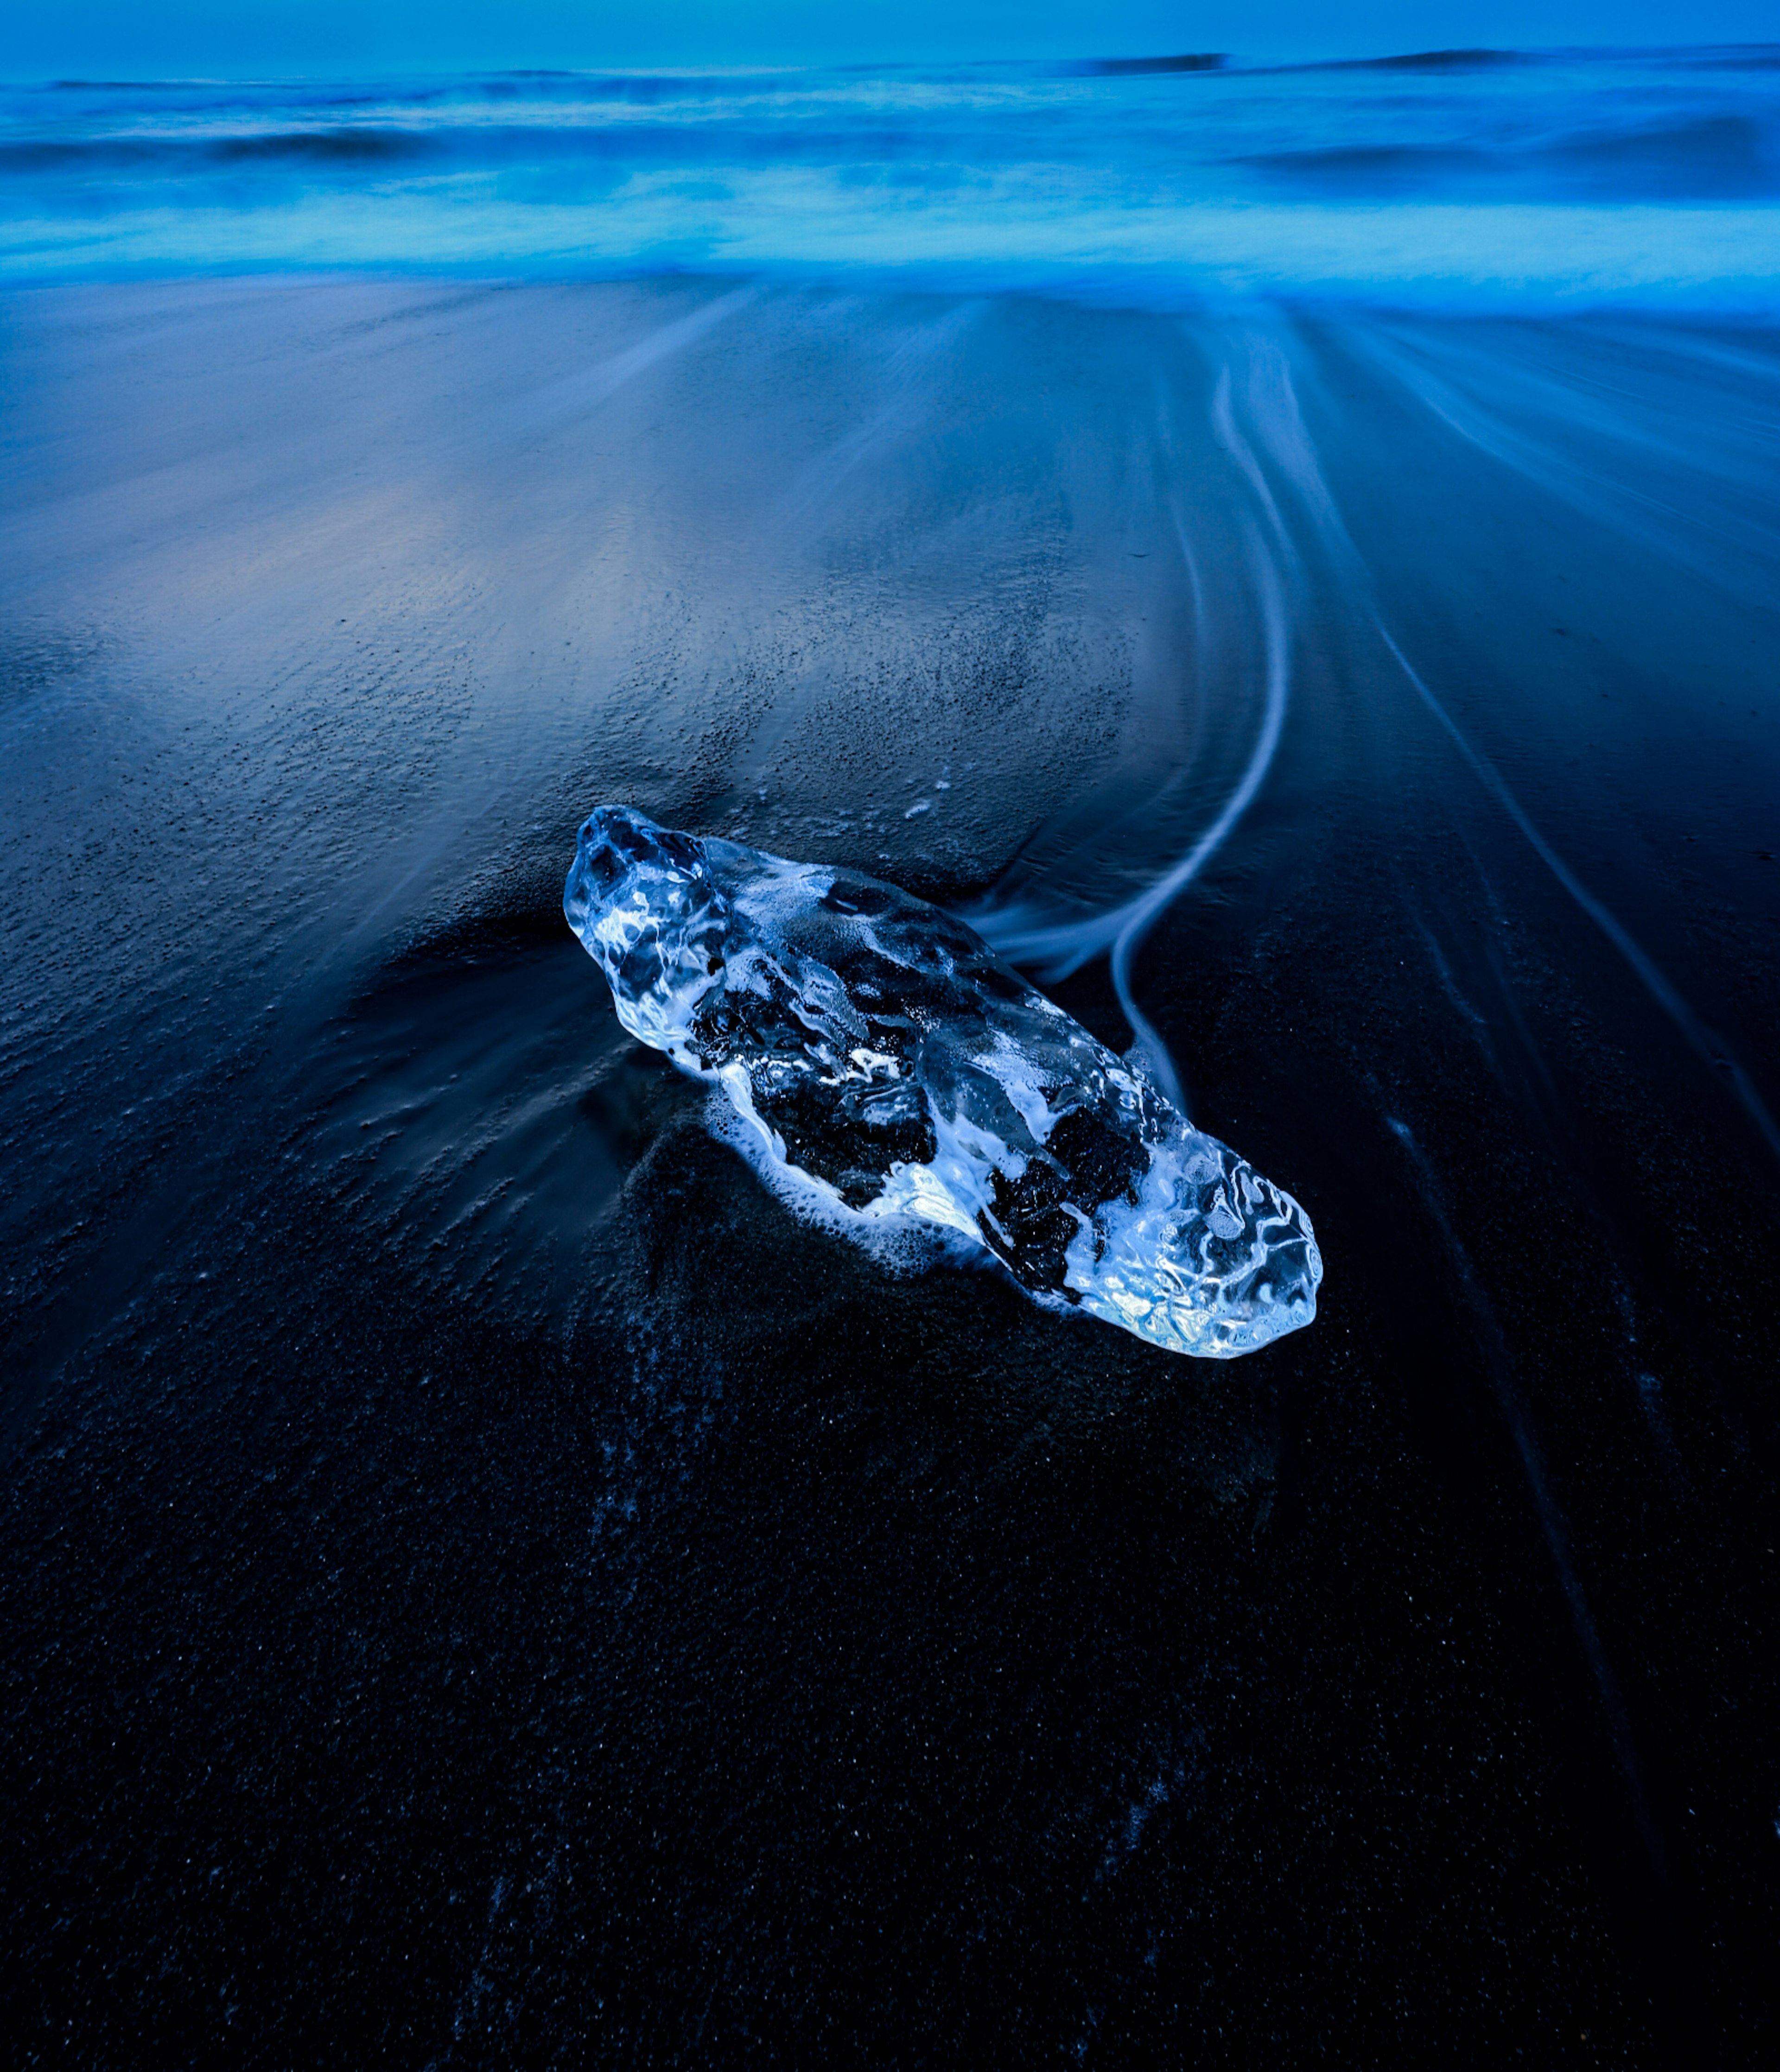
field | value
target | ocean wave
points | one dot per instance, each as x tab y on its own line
173	153
1150	67
1442	61
1710	158
1509	178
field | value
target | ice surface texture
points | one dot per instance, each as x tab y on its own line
885	1054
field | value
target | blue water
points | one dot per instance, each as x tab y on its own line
1489	178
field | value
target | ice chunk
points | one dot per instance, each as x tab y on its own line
884	1051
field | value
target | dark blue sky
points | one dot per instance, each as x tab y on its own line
139	37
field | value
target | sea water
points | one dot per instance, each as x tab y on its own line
1492	177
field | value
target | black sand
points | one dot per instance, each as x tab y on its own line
481	1584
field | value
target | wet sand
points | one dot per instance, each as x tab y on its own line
482	1581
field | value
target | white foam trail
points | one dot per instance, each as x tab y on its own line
1701	1038
1064	947
590	387
1499	1364
1058	949
1281	425
1141	913
1223	423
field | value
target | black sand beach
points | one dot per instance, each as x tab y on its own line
481	1583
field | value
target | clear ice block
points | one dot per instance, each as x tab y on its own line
887	1056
